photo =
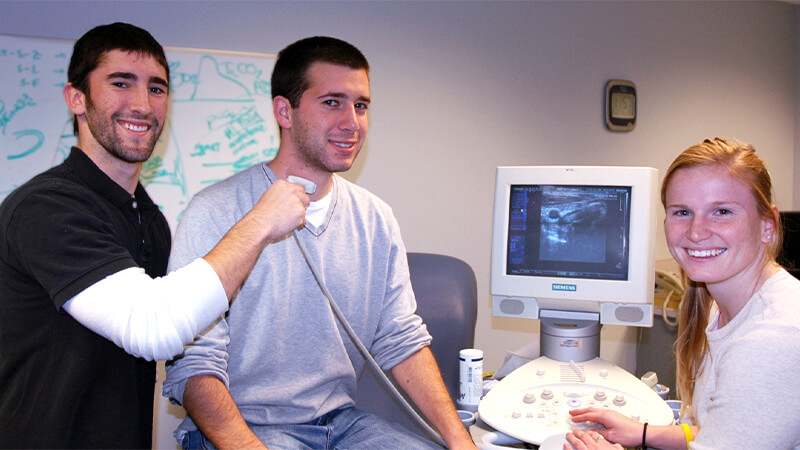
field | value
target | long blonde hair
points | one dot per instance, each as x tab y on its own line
742	162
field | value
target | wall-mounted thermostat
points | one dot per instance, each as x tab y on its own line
620	105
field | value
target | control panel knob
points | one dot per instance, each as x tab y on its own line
574	403
619	400
516	414
572	424
603	373
600	395
540	372
547	394
529	397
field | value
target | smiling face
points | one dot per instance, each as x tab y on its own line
714	229
329	125
125	106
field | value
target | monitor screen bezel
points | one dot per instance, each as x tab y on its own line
578	294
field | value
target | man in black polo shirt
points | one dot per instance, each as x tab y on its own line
85	303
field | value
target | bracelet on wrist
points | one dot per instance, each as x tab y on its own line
687	433
644	436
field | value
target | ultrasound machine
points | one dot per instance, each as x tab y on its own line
573	247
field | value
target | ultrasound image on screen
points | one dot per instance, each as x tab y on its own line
569	231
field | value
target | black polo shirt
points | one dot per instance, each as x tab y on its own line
61	385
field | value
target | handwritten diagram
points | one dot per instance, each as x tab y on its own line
220	119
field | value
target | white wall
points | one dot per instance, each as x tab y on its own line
461	87
796	202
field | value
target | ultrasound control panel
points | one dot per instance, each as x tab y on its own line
533	402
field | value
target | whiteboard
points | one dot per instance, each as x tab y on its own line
219	122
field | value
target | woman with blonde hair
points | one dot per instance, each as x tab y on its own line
738	346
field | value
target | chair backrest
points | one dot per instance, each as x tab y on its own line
447	301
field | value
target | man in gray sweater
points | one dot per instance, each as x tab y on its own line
277	370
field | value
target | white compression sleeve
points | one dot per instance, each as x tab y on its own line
151	318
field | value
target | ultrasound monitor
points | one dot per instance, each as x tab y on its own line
573	247
575	242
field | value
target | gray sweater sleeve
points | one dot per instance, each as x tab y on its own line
401	331
195	236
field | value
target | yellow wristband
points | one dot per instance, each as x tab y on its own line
687	433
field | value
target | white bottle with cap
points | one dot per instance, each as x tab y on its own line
470	379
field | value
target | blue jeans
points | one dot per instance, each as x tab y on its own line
347	428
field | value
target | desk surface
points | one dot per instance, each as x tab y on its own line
481	429
478	430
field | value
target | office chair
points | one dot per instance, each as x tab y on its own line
447	301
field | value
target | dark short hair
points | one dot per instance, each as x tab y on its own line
89	50
289	77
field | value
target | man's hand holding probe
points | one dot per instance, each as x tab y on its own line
281	209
